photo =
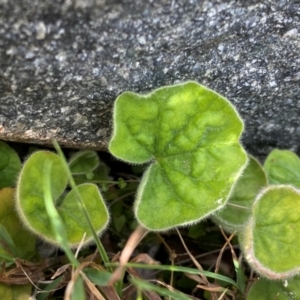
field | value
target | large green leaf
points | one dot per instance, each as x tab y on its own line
20	242
237	210
283	167
264	289
10	166
271	240
190	137
31	205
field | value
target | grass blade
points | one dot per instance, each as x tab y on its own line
180	269
74	187
55	219
6	239
145	285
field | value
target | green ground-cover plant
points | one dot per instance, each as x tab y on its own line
189	135
32	208
187	138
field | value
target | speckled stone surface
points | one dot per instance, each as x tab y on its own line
63	63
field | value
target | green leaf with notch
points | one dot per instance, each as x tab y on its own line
237	210
31	205
271	240
10	166
190	137
283	167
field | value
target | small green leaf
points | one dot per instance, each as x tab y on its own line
84	162
104	187
113	194
237	211
121	183
283	167
119	222
15	292
190	136
31	205
98	277
271	240
78	292
196	231
10	166
264	289
20	243
96	176
89	175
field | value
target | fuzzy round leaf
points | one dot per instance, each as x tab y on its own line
190	135
271	240
238	208
31	205
283	167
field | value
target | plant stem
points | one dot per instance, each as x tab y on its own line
99	245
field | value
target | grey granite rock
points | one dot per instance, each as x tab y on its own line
63	63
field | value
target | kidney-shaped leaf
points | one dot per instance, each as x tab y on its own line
283	167
190	136
271	240
31	205
237	210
